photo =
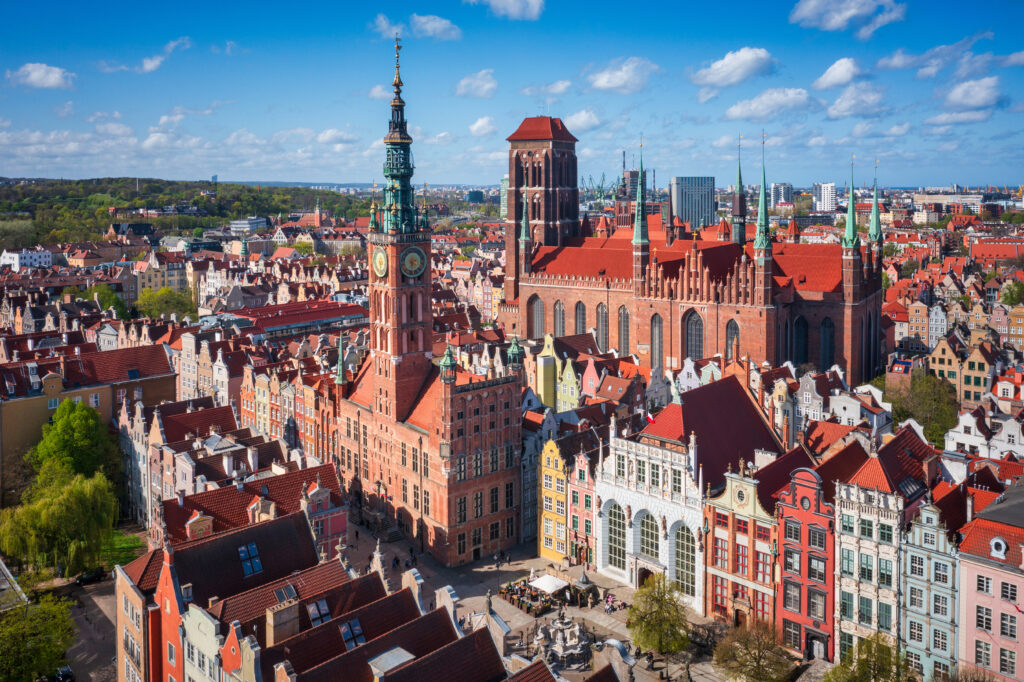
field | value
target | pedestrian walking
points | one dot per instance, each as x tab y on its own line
357	536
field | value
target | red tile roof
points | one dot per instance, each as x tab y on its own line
821	435
472	658
776	475
145	570
181	426
542	128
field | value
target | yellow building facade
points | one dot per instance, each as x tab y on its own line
552	498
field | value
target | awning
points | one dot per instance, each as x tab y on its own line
548	583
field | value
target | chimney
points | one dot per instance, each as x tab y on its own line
251	457
282	621
181	498
228	461
970	507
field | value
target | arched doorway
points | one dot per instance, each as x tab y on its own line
642	576
741	618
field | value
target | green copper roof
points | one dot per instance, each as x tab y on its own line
244	251
739	174
875	231
524	226
640	221
448	361
515	351
851	239
339	376
763	239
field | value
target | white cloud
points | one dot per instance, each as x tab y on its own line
335	136
35	75
857	99
862	129
433	26
230	48
149	64
379	92
556	88
479	84
102	115
959	117
623	75
582	120
304	135
65	110
482	126
243	138
513	9
976	94
115	129
383	26
156	140
839	15
733	68
176	116
4	123
1015	59
817	141
933	60
768	104
440	139
724	141
971	64
840	73
898	130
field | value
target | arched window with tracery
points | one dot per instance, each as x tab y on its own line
686	561
800	341
694	336
828	343
536	317
602	327
616	537
559	321
657	353
649	536
732	335
581	318
623	330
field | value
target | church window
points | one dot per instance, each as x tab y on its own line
581	318
559	321
800	341
732	336
623	330
686	553
828	343
616	537
536	318
694	336
656	342
602	327
649	536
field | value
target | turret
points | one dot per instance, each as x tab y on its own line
641	240
447	366
525	240
763	270
739	206
853	272
515	355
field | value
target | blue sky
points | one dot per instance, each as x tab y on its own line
265	91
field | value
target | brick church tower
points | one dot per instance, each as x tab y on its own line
400	312
542	178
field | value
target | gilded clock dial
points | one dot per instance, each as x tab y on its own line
380	261
413	261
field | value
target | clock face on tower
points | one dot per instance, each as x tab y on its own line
380	261
413	261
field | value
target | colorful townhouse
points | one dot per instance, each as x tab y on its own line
582	478
551	514
991	584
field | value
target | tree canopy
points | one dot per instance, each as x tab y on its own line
931	402
875	659
1013	293
33	639
657	617
79	439
753	653
164	301
63	520
104	295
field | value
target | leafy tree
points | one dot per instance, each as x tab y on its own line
657	616
886	282
890	249
931	402
753	653
33	639
303	248
874	660
1013	293
79	439
164	301
64	520
909	268
108	299
198	233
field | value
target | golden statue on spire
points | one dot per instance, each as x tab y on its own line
397	83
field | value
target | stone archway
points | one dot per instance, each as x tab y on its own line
643	574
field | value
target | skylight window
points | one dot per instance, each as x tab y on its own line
318	613
352	633
250	557
284	593
133	374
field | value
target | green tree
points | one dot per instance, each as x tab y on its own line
63	521
753	653
303	248
657	616
79	439
931	402
1013	293
164	301
874	660
108	299
198	233
33	639
886	282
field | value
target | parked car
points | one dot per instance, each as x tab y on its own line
93	576
64	674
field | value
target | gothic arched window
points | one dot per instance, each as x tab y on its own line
616	537
686	560
535	312
581	318
828	343
602	327
623	330
694	336
732	335
657	356
800	341
649	536
559	322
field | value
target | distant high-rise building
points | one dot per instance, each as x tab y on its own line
693	200
630	179
824	196
782	193
504	196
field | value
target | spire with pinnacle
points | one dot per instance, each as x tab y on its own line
875	230
640	221
339	376
851	239
524	225
763	240
739	203
398	213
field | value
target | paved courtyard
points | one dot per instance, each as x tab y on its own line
92	655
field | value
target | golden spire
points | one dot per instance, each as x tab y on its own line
398	78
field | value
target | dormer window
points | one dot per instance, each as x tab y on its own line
250	557
997	548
